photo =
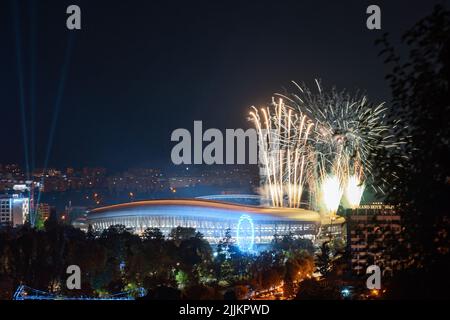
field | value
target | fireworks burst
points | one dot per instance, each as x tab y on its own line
353	191
322	141
331	193
283	141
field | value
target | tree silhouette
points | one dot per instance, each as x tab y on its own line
419	171
323	259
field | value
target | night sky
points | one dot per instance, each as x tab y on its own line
140	69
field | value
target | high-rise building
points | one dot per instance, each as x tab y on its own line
373	234
14	209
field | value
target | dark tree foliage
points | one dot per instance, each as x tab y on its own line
228	255
201	292
419	172
323	259
227	249
180	265
288	243
153	234
163	293
178	234
311	289
110	262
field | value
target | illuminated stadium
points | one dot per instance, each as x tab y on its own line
250	225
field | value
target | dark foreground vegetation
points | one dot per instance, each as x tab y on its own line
182	264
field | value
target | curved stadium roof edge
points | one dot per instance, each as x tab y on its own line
129	209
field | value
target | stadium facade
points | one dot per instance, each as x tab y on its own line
254	224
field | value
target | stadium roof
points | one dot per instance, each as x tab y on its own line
203	208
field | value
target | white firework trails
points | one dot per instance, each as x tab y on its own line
314	141
284	144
